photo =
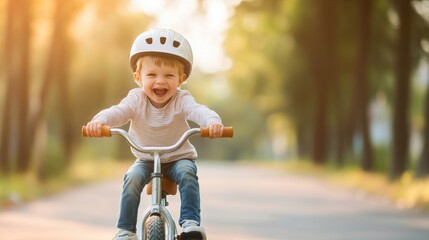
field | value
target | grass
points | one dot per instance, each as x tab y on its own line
407	192
18	189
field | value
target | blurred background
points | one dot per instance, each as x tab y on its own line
330	82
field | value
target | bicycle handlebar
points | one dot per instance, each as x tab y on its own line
228	132
107	131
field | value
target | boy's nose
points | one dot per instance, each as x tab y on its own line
159	80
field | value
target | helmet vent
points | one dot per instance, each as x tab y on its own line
176	44
162	40
149	40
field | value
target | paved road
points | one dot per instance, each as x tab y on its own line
239	202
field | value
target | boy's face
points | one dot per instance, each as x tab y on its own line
160	83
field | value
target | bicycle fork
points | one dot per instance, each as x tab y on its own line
158	206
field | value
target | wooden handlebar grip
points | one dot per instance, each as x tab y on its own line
228	132
105	131
84	134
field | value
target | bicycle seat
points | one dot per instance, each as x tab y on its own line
169	187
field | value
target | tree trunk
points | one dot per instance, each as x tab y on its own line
66	116
7	112
23	87
402	92
361	83
68	13
14	126
321	52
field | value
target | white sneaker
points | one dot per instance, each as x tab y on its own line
191	229
125	235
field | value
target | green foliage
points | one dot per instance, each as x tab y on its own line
271	43
53	164
382	156
234	111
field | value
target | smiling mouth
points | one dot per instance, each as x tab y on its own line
160	92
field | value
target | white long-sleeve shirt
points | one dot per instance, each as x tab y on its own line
158	127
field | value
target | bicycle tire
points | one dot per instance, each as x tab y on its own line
155	228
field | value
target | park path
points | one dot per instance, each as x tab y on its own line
239	202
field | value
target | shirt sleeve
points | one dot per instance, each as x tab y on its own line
120	114
198	113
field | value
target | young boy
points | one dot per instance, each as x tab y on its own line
161	60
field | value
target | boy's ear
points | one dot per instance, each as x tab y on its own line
137	78
182	79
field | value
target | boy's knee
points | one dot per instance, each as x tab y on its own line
187	171
134	180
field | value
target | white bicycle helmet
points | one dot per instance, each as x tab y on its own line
162	42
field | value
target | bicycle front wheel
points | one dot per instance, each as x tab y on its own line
155	228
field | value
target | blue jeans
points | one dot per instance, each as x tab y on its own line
184	172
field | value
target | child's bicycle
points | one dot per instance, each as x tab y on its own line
157	223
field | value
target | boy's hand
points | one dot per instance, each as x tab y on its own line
93	128
215	130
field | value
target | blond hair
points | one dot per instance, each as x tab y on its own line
160	61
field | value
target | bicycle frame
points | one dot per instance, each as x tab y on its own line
158	205
159	202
